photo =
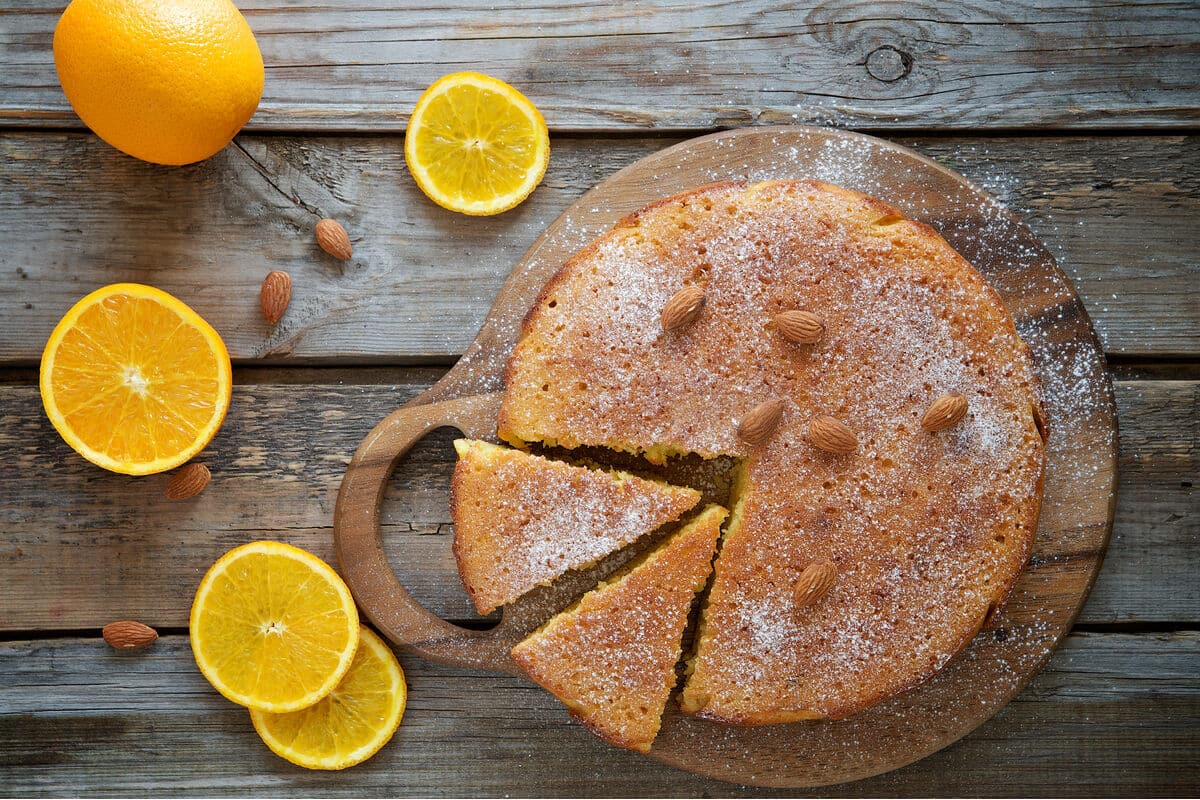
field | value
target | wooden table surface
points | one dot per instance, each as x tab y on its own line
1082	119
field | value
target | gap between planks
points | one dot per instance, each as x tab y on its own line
1121	368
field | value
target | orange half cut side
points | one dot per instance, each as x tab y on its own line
134	380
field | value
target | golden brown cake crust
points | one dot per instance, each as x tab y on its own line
611	658
928	531
521	520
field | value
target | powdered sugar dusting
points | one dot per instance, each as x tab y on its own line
520	520
951	513
579	528
612	657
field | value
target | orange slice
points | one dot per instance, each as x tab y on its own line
351	723
134	380
476	145
273	627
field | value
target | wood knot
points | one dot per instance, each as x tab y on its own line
888	64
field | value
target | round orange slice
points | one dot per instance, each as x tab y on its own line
273	627
352	722
134	380
476	145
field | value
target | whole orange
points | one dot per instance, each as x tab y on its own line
166	81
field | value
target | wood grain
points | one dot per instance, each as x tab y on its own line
1112	714
83	547
1117	213
668	64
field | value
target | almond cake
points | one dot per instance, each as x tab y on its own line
884	413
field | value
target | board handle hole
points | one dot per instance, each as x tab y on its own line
418	532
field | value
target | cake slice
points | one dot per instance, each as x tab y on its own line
521	520
611	657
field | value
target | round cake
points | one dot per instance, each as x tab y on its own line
883	410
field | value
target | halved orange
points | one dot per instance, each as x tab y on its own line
273	627
352	722
134	380
476	145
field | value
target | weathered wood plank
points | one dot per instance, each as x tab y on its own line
1156	529
1118	213
83	547
1112	714
670	64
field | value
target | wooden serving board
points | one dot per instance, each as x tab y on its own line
1078	499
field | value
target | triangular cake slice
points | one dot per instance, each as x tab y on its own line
611	657
521	520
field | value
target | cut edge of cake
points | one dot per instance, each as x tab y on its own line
691	700
635	725
472	536
655	454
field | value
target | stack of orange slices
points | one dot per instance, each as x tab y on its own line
273	628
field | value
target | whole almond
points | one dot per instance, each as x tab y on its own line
831	435
814	583
275	295
188	482
333	239
757	426
802	327
128	635
683	307
947	410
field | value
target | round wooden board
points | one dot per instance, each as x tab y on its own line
1079	489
